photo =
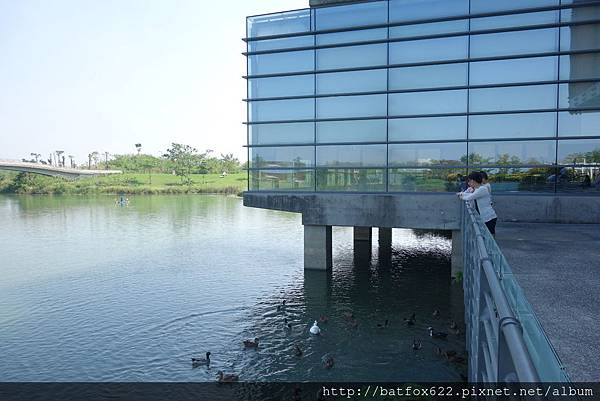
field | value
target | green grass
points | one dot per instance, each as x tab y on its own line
129	183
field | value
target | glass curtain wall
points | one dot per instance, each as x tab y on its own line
412	95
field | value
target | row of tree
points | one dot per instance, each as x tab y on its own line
181	160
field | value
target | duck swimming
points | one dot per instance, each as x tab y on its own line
436	334
201	361
384	325
288	326
453	325
226	378
328	361
436	313
315	329
251	344
411	321
298	351
417	345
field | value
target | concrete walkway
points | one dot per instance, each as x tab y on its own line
558	267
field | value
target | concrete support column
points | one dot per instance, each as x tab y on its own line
317	247
362	235
385	245
456	263
385	237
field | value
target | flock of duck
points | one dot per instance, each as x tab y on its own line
328	360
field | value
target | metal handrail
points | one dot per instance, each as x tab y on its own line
511	360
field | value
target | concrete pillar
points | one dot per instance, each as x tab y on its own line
317	247
385	245
362	234
363	242
456	263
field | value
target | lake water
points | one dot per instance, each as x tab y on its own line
91	291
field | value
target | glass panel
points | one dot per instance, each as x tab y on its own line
425	180
513	98
417	51
352	131
524	125
580	37
279	23
511	179
428	154
277	110
580	66
434	102
295	85
579	95
580	14
432	28
512	153
484	6
430	76
579	151
283	43
362	35
428	128
274	63
515	20
352	81
282	156
579	179
349	180
408	10
263	134
579	123
352	106
280	180
519	42
352	56
513	71
351	15
351	155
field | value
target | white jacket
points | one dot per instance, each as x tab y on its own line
484	202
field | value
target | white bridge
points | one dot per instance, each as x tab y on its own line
53	171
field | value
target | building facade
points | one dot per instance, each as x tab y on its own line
409	96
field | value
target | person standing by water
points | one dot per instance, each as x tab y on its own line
482	199
486	184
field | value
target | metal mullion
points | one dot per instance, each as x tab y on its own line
426	37
247	117
428	63
387	107
313	12
421	21
439	89
468	84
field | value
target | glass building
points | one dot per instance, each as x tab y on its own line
411	95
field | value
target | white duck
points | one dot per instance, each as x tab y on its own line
315	329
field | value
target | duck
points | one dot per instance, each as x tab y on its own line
384	325
251	344
436	334
298	351
323	319
201	361
436	313
453	325
410	321
417	344
288	326
315	329
328	361
226	378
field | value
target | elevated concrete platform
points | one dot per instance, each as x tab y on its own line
558	267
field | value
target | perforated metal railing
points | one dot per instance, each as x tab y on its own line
505	340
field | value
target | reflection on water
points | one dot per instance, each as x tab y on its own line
104	293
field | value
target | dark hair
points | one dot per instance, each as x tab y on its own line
484	175
475	176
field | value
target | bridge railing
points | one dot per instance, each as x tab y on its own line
505	340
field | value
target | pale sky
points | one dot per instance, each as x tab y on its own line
102	75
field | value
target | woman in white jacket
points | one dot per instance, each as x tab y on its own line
482	199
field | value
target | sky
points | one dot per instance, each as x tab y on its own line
102	75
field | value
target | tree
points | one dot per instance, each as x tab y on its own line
184	160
